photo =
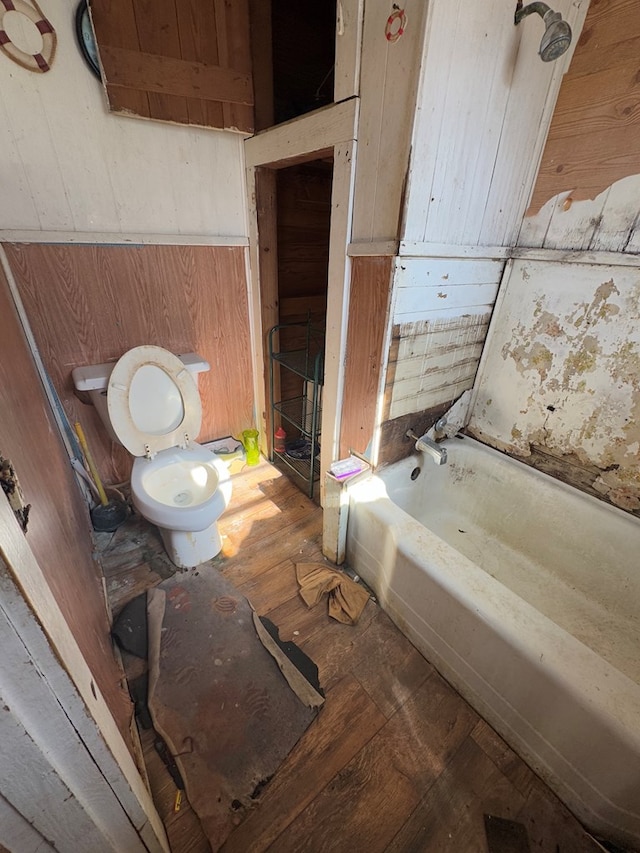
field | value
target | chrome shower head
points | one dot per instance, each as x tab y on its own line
557	35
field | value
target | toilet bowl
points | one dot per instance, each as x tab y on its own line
183	492
154	409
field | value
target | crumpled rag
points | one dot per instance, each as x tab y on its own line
347	599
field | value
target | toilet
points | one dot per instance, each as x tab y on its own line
153	408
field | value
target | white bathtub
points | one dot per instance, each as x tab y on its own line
525	594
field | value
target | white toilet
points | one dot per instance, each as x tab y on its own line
154	410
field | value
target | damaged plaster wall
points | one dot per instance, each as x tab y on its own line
561	374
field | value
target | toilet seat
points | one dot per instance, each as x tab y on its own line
153	401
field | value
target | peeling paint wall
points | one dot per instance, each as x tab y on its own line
561	374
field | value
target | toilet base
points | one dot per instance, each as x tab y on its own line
187	550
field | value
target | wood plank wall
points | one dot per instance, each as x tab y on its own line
587	190
90	304
594	139
368	315
441	314
186	62
59	528
480	122
304	219
388	86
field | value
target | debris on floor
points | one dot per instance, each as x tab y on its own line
347	599
217	697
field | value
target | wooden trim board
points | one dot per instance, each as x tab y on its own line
125	239
132	69
307	137
373	249
338	299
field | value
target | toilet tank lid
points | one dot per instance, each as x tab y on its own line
96	376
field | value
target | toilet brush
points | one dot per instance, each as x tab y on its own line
108	515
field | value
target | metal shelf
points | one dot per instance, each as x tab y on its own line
302	467
308	365
303	412
299	413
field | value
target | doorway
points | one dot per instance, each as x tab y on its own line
296	346
300	182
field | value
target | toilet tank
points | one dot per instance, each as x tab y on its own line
94	380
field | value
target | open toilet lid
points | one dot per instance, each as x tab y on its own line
153	401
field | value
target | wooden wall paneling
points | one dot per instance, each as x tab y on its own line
31	143
59	528
442	287
430	106
234	50
533	93
267	271
618	218
480	123
474	104
99	301
606	223
157	25
198	43
16	833
608	38
441	313
366	334
303	225
14	177
120	29
574	224
593	139
145	53
349	22
633	246
388	85
262	61
303	222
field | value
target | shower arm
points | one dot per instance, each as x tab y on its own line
540	8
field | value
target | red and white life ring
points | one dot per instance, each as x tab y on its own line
33	61
396	25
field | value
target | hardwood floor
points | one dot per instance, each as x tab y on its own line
396	760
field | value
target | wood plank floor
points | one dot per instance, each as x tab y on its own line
396	760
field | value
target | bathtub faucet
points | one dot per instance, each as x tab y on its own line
424	444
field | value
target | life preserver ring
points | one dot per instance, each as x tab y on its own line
40	62
398	17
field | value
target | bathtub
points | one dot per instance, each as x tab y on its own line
525	594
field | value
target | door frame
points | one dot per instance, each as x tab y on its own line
328	131
69	773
